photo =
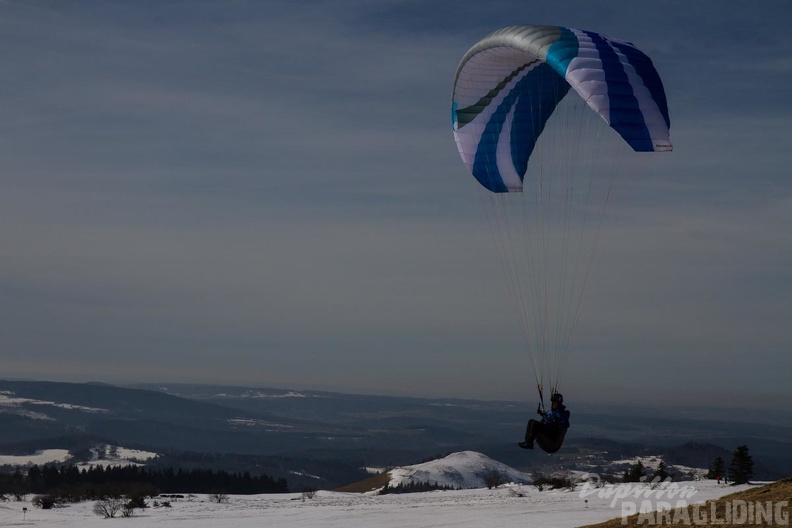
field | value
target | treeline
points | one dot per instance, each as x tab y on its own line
101	481
414	487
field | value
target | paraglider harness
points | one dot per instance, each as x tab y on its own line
551	435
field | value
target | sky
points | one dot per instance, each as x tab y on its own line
269	194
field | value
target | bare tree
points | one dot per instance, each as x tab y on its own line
308	494
108	508
493	478
218	497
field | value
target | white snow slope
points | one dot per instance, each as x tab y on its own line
510	506
464	470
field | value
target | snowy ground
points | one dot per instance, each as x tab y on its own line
476	508
106	455
101	455
39	457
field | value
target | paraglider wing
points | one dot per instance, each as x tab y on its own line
545	117
509	83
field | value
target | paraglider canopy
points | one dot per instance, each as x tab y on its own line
544	117
510	82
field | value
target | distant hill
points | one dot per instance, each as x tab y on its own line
429	425
323	439
31	411
463	470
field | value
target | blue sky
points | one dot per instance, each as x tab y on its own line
268	193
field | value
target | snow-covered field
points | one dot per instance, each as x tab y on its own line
14	405
39	457
517	504
502	507
101	455
106	456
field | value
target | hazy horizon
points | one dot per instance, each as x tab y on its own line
708	407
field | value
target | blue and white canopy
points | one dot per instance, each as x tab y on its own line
509	83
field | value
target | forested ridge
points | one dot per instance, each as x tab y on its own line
99	480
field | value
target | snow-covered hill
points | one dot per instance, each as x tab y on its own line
470	470
10	403
465	470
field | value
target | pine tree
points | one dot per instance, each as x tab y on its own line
717	469
634	473
661	473
741	466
